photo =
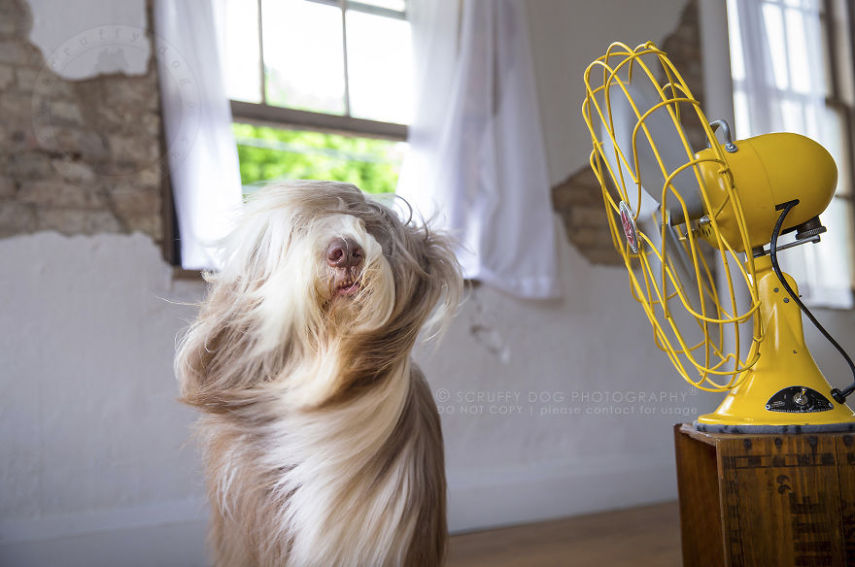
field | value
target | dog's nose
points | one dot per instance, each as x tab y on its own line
344	253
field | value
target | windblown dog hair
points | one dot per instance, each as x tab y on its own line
321	440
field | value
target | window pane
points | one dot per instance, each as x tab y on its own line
834	136
797	52
241	63
835	270
774	24
269	154
737	64
792	114
741	115
379	67
397	5
304	55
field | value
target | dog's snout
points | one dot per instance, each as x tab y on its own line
344	253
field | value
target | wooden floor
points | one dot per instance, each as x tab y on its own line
638	537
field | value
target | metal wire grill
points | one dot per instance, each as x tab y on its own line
697	288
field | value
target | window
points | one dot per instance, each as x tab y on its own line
319	89
790	62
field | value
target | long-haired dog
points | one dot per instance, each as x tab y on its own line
321	439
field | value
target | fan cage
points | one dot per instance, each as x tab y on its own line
707	342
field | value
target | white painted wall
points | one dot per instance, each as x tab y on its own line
591	353
83	39
566	37
91	435
95	448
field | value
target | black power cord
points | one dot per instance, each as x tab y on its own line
838	395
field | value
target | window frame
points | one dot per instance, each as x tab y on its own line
836	14
262	113
837	29
838	73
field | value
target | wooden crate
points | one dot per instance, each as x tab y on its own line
766	500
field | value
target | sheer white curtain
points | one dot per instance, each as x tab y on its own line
780	85
476	163
203	159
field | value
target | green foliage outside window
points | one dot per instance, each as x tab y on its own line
270	154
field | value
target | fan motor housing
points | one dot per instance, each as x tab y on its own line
765	171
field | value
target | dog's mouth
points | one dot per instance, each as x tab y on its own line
347	287
345	258
346	282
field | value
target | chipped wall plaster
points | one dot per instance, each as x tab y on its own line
84	40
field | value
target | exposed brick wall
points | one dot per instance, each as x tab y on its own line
83	157
78	157
578	199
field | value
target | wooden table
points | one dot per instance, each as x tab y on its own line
766	500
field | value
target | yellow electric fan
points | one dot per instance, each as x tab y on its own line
692	219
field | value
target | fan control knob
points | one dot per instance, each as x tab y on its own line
809	229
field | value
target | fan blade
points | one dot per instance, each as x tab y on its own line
683	275
663	138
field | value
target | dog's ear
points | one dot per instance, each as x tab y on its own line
256	317
196	358
443	279
210	362
229	349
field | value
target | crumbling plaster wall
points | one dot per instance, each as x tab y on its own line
92	437
81	156
577	198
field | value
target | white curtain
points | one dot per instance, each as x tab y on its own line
202	154
476	164
780	86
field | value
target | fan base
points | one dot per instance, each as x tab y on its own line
784	391
774	429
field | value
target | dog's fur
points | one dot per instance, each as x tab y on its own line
321	439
